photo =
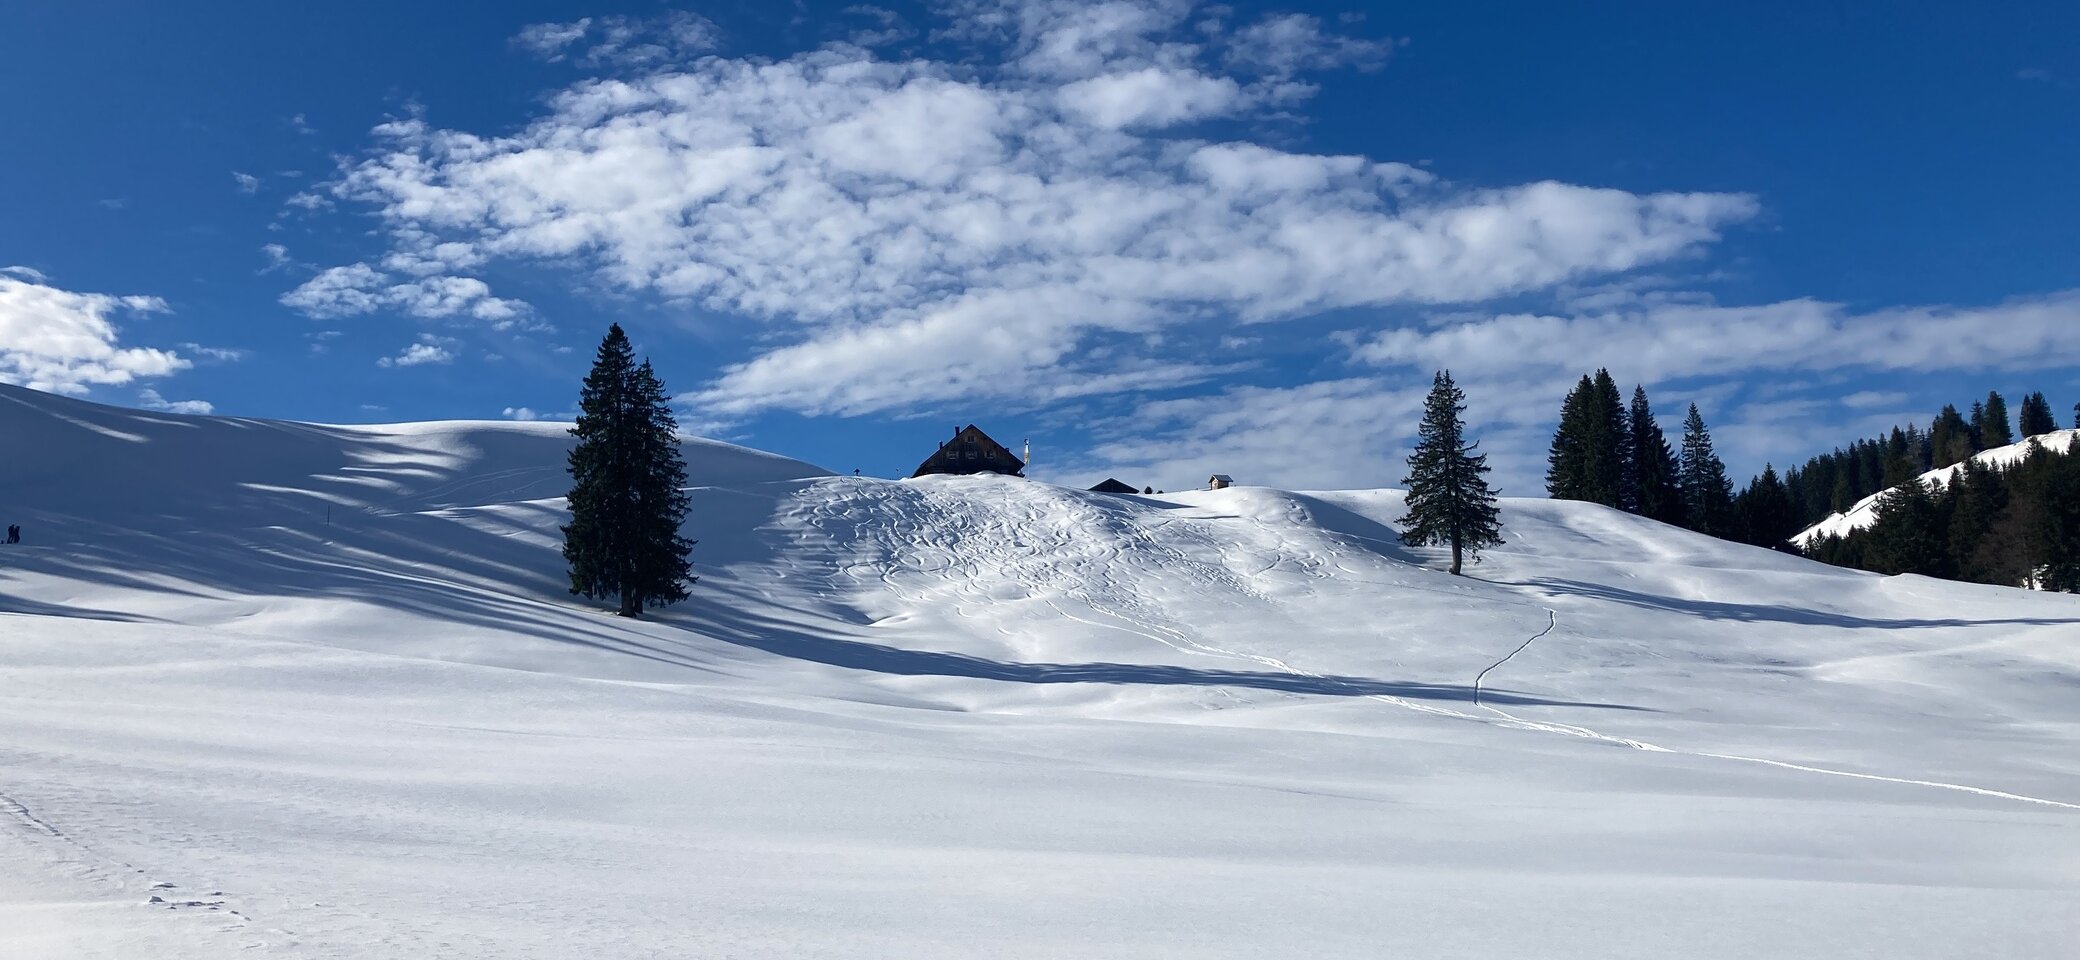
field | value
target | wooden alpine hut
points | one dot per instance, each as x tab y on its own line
971	451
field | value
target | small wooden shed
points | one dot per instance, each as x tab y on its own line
1220	481
1113	486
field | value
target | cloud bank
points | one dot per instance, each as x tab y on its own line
1050	224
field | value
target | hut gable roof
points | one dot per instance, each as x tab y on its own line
1114	486
971	451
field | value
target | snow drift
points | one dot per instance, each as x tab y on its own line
320	691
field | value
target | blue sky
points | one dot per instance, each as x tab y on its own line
1160	239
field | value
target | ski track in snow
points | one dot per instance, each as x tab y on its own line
1554	621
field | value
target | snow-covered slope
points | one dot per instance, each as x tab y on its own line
1866	510
953	717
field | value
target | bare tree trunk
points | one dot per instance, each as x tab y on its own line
1455	556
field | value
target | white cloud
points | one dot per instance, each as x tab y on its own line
151	400
1668	340
359	288
277	257
62	341
217	354
338	292
429	349
1262	435
1150	97
1866	399
550	40
521	413
1295	43
1027	219
890	26
247	183
621	41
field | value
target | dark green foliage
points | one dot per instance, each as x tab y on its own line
1565	458
1701	481
1906	536
2058	537
1653	465
1978	496
1765	514
1590	456
628	496
1949	438
2035	418
1448	497
2018	526
1901	464
1994	428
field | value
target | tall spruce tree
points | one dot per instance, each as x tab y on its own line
1978	497
1589	458
1566	459
2058	533
1654	493
2076	416
1904	535
628	496
1449	501
1900	462
1949	438
2034	419
1707	493
1994	428
1768	518
1610	451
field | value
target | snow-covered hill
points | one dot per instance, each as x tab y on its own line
1866	510
321	692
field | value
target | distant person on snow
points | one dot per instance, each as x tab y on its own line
14	533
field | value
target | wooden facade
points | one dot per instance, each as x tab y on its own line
971	451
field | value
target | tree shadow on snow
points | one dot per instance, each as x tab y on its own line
1758	613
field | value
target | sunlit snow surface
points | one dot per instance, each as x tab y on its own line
320	690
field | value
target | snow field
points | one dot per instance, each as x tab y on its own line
328	678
